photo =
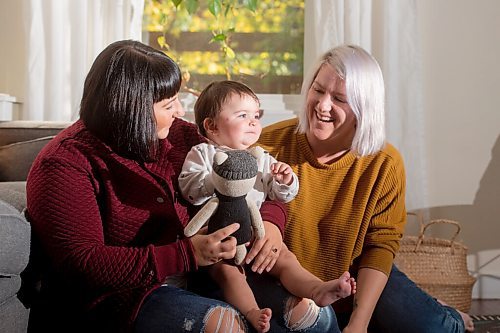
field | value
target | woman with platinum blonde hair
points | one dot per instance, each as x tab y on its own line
350	212
364	87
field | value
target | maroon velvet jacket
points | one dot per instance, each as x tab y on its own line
112	229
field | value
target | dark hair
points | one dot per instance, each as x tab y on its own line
124	82
211	100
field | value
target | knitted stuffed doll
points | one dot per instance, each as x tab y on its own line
234	175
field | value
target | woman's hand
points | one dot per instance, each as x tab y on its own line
210	249
265	251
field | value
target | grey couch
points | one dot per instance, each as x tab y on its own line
20	142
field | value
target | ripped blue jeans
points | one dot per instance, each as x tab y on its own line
172	309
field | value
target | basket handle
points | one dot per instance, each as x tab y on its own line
418	217
423	228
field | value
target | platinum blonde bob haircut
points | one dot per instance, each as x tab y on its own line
365	95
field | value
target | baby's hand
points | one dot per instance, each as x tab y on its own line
282	173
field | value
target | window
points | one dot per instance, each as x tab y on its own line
262	48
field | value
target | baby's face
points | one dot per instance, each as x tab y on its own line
237	126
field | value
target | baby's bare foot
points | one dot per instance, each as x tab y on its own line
259	319
331	291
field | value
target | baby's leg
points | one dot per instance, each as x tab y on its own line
300	282
232	280
328	292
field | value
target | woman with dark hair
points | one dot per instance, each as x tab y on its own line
108	221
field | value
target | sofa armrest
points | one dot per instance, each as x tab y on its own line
14	193
14	240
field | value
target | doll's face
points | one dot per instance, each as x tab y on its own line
234	172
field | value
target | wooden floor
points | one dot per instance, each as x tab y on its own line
485	307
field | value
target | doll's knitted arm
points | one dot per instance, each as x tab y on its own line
201	218
257	224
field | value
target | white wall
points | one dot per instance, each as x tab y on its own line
12	49
461	54
460	42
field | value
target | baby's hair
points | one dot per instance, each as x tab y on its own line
211	100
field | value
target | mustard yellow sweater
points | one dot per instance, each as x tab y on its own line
349	214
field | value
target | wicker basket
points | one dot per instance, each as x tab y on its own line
438	266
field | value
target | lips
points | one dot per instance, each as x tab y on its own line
324	118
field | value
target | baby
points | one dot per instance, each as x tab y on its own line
228	114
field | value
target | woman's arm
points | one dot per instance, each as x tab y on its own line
370	284
380	244
68	211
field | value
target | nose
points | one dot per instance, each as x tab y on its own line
179	112
325	104
254	121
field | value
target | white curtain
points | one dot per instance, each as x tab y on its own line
63	39
388	29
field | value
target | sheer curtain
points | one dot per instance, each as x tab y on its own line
63	38
388	29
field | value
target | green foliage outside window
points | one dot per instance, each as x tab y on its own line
259	42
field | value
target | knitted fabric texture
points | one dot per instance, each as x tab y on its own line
238	166
348	214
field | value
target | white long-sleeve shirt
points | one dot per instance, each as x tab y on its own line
196	185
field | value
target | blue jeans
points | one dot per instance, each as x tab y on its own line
404	307
171	309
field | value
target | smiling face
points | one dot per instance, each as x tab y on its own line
237	126
332	123
165	112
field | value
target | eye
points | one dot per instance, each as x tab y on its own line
340	100
242	115
317	88
169	105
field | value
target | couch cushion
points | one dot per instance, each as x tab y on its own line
16	158
14	240
14	193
